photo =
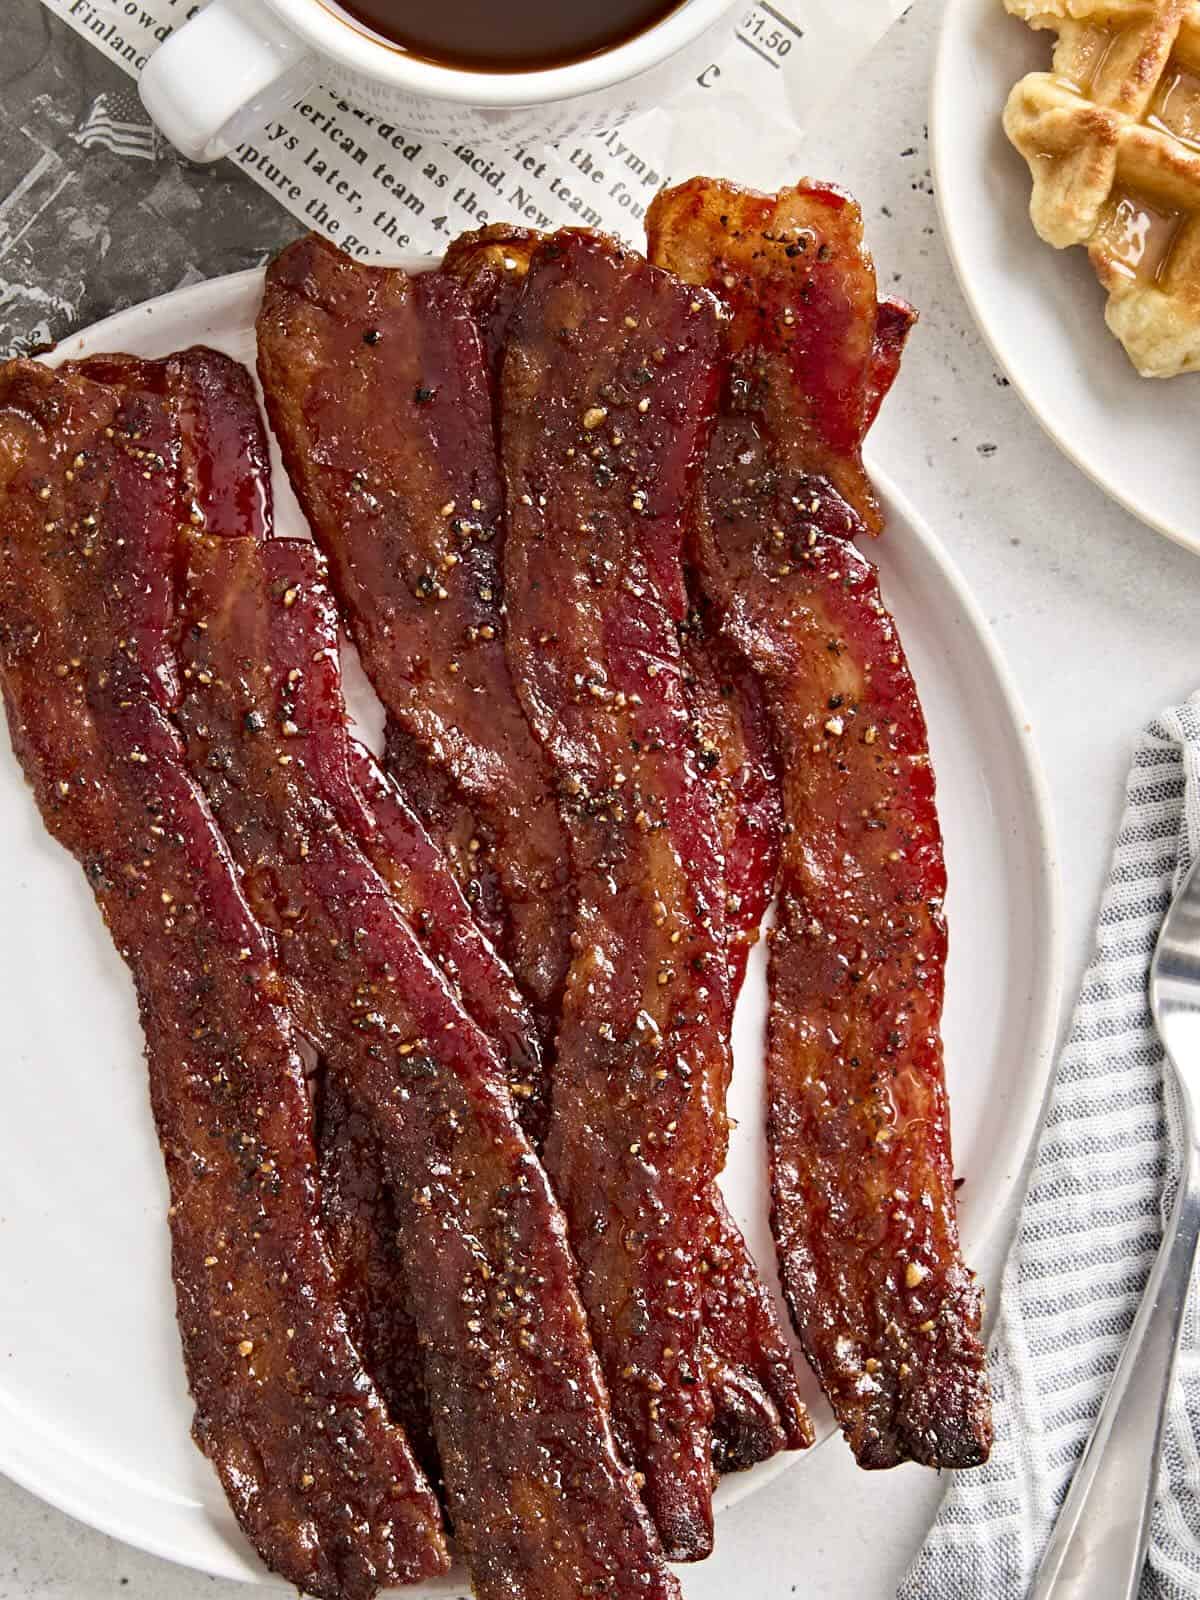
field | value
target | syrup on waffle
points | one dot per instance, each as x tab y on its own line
1112	137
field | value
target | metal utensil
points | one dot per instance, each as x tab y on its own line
1098	1547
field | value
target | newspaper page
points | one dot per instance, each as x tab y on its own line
379	191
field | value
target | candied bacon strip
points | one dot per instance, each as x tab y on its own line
736	749
322	1484
377	386
862	1179
752	1359
732	736
359	1218
733	741
757	1405
541	1502
601	437
745	1365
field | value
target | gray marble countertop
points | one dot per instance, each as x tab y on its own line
1095	613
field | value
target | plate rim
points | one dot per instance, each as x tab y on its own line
212	297
940	121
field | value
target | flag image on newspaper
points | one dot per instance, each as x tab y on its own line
118	122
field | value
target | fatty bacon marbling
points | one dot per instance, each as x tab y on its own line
542	1505
322	1483
372	475
858	1125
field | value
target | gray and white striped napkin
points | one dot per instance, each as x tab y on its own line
1105	1170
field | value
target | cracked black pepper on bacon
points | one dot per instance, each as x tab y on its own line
378	392
371	470
858	1125
591	522
322	1483
601	437
541	1503
749	1366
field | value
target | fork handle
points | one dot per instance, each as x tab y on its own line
1098	1547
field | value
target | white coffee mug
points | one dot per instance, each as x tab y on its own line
218	78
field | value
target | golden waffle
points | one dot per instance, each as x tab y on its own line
1112	138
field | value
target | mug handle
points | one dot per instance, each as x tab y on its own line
219	76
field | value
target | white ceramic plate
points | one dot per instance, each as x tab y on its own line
94	1411
1040	309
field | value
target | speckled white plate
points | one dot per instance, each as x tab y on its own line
1042	310
94	1411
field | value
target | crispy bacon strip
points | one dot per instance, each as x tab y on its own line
376	384
731	731
541	1502
751	1356
322	1484
732	736
862	1178
357	1211
602	433
757	1406
749	1366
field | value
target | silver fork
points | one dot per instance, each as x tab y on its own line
1098	1547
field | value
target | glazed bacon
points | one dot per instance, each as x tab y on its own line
323	1485
377	386
750	1369
696	694
223	425
862	1180
609	377
758	1410
541	1503
319	310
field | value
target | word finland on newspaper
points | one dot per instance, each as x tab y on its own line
379	191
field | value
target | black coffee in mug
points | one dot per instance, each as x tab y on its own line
508	35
